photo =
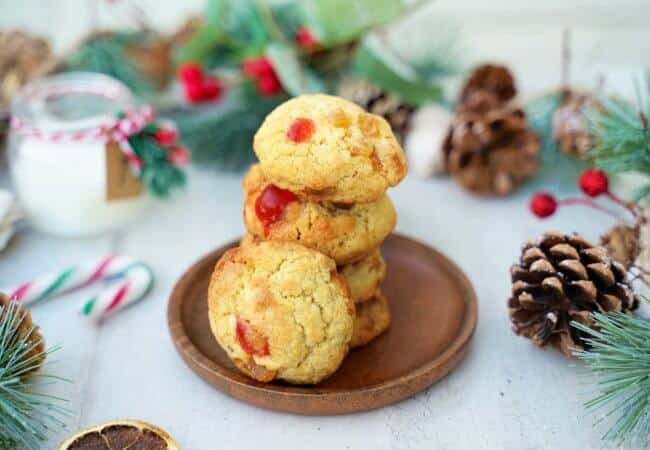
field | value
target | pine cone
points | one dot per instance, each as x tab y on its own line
497	80
22	58
376	101
27	329
493	152
570	124
562	278
623	244
152	58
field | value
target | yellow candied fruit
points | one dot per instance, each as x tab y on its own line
368	124
339	118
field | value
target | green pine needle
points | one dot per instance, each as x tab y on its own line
623	133
105	54
26	414
619	355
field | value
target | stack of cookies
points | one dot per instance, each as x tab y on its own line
315	202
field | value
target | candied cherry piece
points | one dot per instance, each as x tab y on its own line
301	129
252	341
271	204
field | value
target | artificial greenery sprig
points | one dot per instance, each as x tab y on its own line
618	353
623	133
26	414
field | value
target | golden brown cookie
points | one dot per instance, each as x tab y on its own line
364	276
372	319
281	310
326	148
344	233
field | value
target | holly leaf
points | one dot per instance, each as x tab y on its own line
382	66
339	21
296	78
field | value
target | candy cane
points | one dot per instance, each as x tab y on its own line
70	279
133	286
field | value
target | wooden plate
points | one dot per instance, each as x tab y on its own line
434	315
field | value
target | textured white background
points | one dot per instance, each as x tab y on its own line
505	395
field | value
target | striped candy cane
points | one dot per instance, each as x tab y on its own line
134	284
70	279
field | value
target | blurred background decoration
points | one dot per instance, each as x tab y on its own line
221	72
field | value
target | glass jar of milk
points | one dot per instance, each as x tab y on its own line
58	159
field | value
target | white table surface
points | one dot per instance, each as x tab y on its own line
505	395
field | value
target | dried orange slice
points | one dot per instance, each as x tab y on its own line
121	435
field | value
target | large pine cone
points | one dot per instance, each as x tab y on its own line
497	80
375	101
563	278
491	152
25	330
490	148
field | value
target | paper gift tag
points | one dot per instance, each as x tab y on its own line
121	182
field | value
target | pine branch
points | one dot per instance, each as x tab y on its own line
619	355
105	53
26	414
623	134
221	135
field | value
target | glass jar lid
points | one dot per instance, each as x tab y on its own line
70	102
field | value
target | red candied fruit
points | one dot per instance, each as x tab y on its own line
271	204
252	341
301	129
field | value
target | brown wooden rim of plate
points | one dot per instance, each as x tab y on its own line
312	400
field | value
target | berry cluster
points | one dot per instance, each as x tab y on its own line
262	71
593	183
198	86
306	39
167	137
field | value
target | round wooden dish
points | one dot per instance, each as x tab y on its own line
434	315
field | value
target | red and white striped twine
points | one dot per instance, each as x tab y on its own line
117	130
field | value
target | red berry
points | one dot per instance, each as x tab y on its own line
165	136
212	88
543	204
252	341
256	67
193	92
271	204
305	38
301	129
594	182
268	84
178	156
190	73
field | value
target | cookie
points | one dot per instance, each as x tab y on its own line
344	233
326	148
280	310
364	276
372	319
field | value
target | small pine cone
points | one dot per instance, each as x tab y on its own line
34	340
152	58
492	78
570	124
623	244
23	57
491	153
375	101
563	278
